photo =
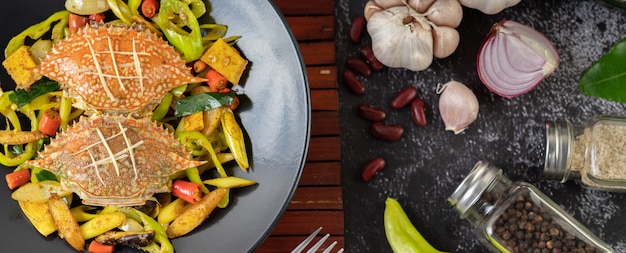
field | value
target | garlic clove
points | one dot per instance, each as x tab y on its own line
386	4
458	106
401	38
445	41
445	13
370	8
489	6
420	5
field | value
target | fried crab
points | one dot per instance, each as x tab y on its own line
114	160
115	69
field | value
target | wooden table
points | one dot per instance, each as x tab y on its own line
318	198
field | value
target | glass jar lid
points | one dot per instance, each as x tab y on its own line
473	186
558	149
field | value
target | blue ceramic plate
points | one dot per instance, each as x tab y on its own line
275	118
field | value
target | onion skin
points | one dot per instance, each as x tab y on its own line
515	58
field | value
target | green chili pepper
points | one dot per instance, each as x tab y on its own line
198	8
400	232
195	137
193	174
29	152
121	10
188	44
134	6
65	110
213	31
37	30
161	110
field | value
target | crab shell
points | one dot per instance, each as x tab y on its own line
115	69
114	160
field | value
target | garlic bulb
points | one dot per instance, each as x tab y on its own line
401	38
458	106
407	34
489	6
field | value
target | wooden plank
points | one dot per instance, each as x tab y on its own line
319	53
317	198
321	174
305	222
287	243
322	77
310	7
324	123
325	100
324	149
312	27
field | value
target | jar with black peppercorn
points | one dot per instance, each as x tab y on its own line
517	217
591	152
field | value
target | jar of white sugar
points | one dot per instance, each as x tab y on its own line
592	152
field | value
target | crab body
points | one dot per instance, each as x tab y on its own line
115	69
114	160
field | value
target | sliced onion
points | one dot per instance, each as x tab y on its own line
86	7
514	58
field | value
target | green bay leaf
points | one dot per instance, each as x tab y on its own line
606	78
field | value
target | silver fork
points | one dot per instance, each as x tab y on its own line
317	245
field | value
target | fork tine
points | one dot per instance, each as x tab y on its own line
332	245
306	241
318	244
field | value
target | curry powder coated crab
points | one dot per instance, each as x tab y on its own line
115	69
114	160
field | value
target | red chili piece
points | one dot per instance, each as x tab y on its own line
76	22
367	53
356	29
418	113
358	65
403	98
149	8
188	191
387	132
98	17
372	167
371	113
350	80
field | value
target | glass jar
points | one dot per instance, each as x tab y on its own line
517	217
592	152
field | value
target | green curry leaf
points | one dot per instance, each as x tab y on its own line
201	102
606	78
41	87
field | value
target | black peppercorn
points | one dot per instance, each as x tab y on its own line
525	227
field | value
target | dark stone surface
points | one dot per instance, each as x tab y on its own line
428	163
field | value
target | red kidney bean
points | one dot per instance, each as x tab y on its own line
367	53
371	113
358	65
387	132
417	112
356	29
350	80
403	98
372	167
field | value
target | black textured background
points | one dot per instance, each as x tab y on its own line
428	163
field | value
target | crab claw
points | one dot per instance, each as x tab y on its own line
234	139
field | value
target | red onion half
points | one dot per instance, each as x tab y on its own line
514	58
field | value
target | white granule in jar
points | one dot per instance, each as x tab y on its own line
599	155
